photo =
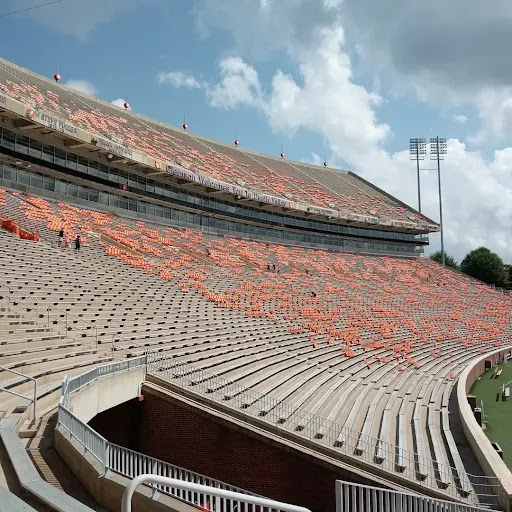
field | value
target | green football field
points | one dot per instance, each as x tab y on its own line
497	413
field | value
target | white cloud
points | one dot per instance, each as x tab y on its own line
460	118
495	112
239	85
119	102
178	79
324	98
82	85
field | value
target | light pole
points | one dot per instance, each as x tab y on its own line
417	151
438	149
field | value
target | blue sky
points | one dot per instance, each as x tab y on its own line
345	80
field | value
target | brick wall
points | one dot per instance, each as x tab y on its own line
172	432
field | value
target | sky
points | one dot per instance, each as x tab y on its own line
342	81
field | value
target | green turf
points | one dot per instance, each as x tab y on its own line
498	413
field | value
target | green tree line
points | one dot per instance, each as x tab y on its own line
480	263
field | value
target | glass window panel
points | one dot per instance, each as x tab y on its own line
23	177
71	161
36	181
72	190
9	173
93	195
60	157
48	183
103	171
8	139
60	187
36	148
83	193
93	169
82	165
103	198
22	144
48	153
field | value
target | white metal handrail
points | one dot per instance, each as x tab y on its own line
222	499
33	400
122	460
315	428
351	497
116	458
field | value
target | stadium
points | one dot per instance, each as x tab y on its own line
256	328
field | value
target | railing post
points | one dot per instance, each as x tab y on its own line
66	323
35	400
106	456
96	327
9	298
48	310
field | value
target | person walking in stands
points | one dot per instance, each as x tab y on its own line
61	236
66	242
77	242
268	267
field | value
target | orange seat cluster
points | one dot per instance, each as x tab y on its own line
265	175
390	311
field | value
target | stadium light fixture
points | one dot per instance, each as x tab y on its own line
438	149
417	151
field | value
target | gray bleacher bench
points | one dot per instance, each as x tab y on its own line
28	475
9	502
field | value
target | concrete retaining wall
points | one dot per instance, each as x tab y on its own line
489	460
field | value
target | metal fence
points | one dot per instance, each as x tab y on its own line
127	462
352	497
357	445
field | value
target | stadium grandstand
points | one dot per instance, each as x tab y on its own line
237	322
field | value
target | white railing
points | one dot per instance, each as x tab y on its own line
132	464
127	462
217	499
352	497
334	436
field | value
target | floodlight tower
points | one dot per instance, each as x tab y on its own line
417	151
438	149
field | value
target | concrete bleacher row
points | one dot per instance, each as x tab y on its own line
298	182
375	351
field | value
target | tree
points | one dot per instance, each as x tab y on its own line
449	261
485	265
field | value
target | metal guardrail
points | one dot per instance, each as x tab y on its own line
29	307
28	377
354	444
351	497
217	499
127	462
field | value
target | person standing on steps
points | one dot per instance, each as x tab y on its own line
77	242
61	236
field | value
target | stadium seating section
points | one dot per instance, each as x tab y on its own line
298	182
372	343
